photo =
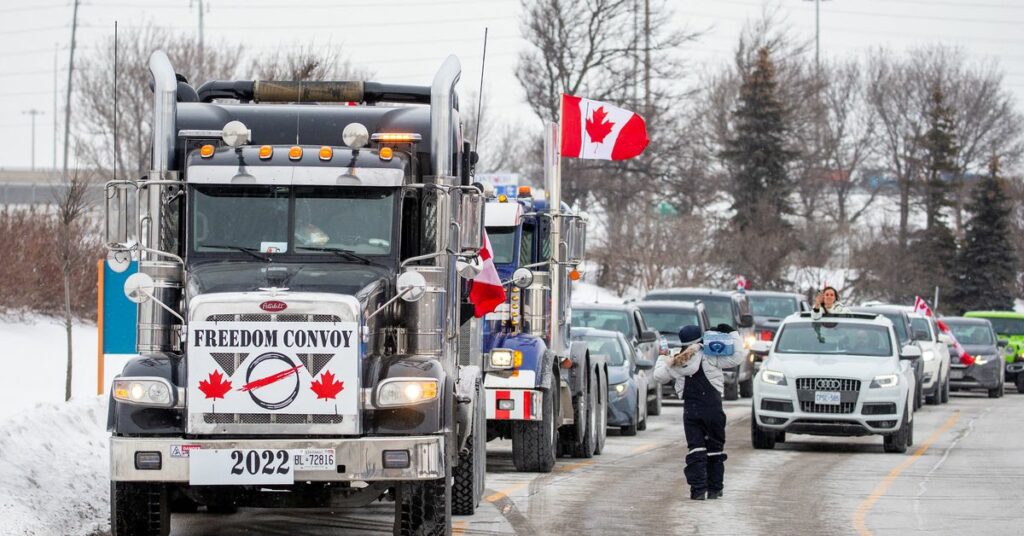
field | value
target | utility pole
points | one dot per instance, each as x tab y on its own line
647	58
56	114
67	102
32	112
199	4
817	32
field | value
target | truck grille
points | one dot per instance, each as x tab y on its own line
268	418
849	391
263	317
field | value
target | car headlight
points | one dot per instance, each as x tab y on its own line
155	392
773	377
619	388
982	359
885	380
503	358
749	341
928	355
405	392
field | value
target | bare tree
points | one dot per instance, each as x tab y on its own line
307	62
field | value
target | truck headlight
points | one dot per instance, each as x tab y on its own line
405	392
155	392
885	380
928	355
503	358
773	377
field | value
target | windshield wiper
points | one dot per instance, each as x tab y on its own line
251	251
343	253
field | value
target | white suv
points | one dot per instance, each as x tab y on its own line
842	375
935	358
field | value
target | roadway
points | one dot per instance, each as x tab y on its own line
963	475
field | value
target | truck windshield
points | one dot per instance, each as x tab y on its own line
834	338
773	306
503	243
307	220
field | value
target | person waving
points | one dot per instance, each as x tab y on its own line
827	303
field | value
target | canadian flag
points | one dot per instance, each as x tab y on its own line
597	130
486	292
922	308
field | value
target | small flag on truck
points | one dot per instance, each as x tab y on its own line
486	292
597	130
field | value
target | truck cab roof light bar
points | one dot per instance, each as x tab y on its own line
312	91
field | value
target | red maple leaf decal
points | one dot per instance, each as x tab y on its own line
598	127
327	387
215	387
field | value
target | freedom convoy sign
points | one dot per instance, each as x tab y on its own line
273	367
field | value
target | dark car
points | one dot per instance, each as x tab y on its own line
627	319
723	307
627	381
667	317
900	319
769	308
978	339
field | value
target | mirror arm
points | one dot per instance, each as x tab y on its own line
389	302
163	254
162	304
426	257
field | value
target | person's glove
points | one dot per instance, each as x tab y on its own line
724	328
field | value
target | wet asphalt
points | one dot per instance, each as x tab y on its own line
964	475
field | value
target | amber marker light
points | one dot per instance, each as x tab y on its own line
206	151
266	152
295	153
326	153
386	153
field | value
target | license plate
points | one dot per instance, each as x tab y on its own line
956	374
313	459
827	397
220	467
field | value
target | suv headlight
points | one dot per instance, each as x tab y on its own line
156	392
405	392
982	359
504	359
773	377
885	380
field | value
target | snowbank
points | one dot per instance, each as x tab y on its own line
53	470
590	293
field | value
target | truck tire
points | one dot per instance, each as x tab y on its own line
534	442
602	413
584	446
760	438
732	391
139	509
423	508
898	441
468	476
654	406
747	388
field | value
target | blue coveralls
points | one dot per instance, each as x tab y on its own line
704	426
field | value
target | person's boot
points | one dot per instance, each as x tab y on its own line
715	494
698	495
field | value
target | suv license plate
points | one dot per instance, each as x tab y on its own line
956	374
220	467
827	397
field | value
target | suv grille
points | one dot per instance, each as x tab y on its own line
849	391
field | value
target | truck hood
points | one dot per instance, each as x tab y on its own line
856	367
236	276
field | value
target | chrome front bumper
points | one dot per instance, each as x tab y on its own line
358	459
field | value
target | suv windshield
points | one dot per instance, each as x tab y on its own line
669	321
977	334
309	220
922	324
1008	326
776	306
834	338
606	346
606	320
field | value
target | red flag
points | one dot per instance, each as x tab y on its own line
486	292
597	130
922	308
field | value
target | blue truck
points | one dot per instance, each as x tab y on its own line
544	392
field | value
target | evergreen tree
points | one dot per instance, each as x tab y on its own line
987	263
757	158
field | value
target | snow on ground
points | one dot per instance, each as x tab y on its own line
54	462
590	293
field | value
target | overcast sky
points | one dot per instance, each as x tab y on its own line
406	40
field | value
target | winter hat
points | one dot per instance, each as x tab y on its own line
689	335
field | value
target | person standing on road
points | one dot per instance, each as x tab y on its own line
827	303
699	382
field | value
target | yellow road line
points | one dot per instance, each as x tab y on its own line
880	490
644	448
499	495
459	527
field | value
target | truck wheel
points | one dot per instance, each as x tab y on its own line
468	476
584	445
732	391
654	406
602	413
139	509
760	438
534	442
747	388
423	508
898	441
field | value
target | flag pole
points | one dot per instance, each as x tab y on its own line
552	176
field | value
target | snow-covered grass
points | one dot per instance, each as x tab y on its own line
53	454
590	293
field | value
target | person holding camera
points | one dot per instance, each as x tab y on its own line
827	303
699	382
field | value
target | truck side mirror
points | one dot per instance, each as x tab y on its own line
471	222
522	277
577	240
411	286
138	288
119	225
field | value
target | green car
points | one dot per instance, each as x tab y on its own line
1009	326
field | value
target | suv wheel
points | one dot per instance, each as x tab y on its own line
654	406
747	388
760	438
1020	383
732	391
945	389
898	441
